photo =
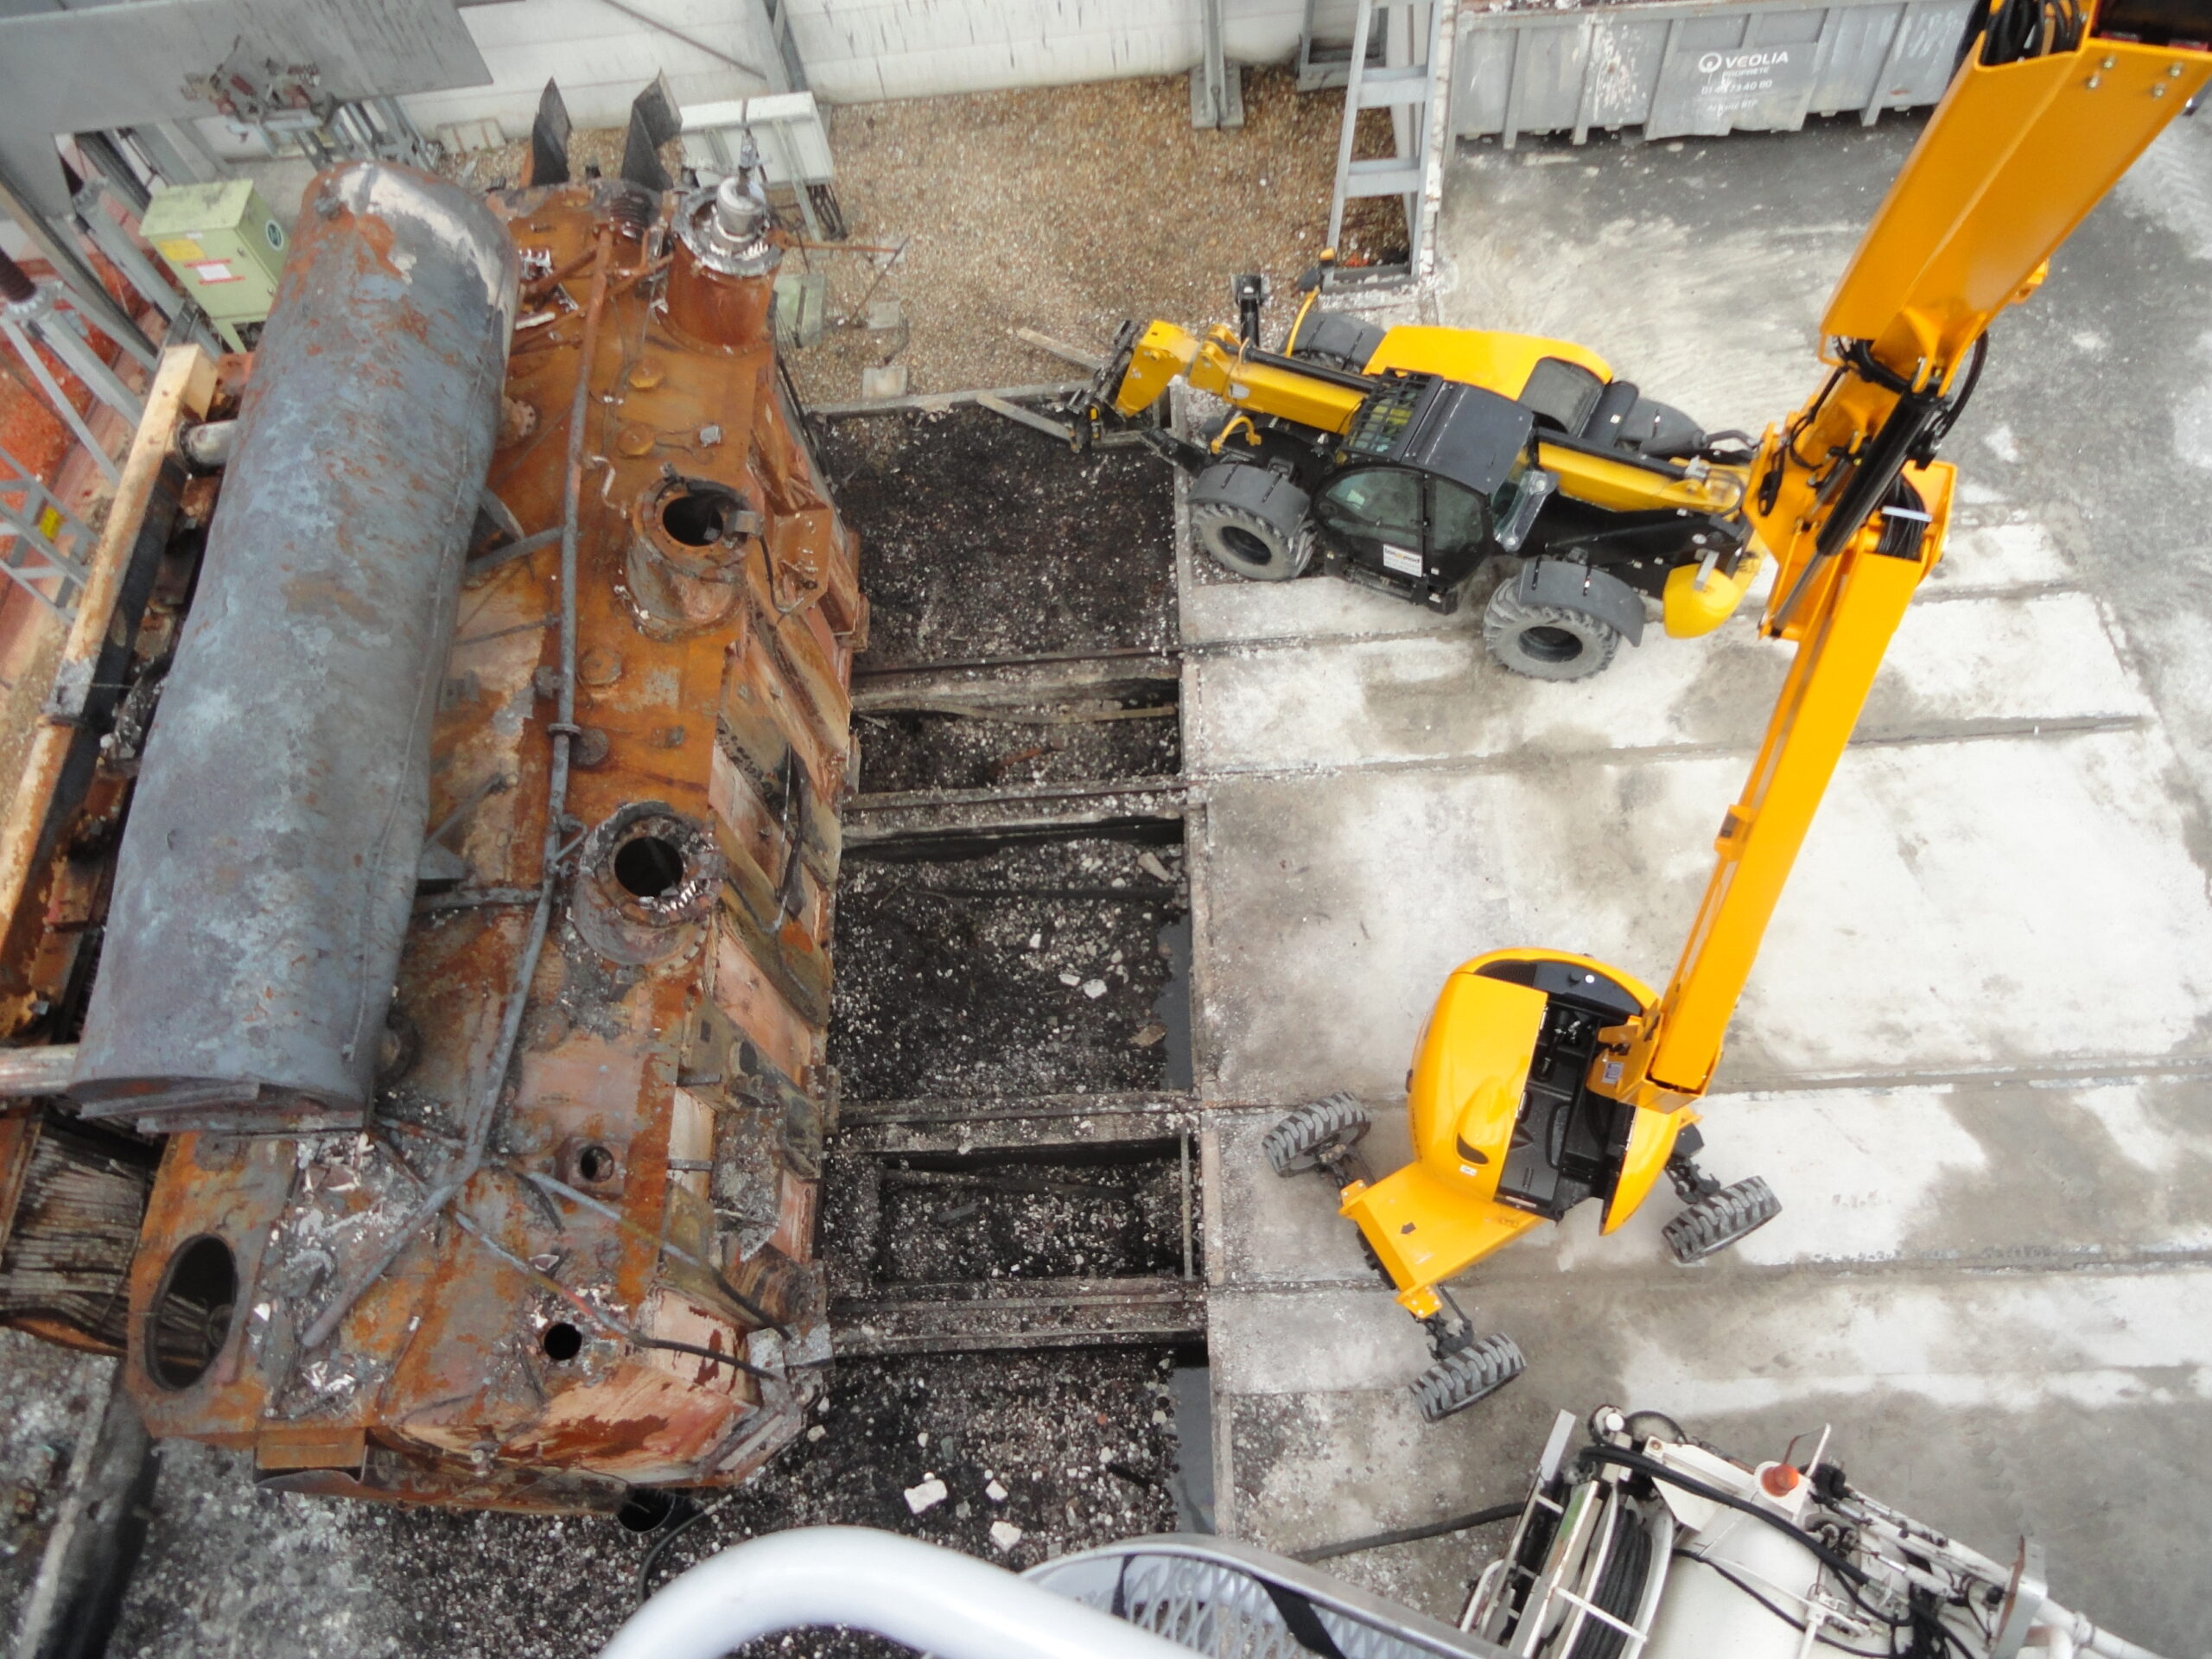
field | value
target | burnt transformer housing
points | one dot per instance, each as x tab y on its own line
431	894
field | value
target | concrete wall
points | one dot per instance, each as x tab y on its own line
856	51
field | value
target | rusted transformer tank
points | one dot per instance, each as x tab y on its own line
570	1252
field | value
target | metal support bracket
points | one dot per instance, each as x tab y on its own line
1216	85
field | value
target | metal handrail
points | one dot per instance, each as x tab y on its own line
933	1599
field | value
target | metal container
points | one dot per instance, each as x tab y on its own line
1672	69
268	870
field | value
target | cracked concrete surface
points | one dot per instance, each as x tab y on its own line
1973	1059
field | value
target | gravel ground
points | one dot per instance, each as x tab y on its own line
981	539
1027	970
232	1573
1067	210
946	751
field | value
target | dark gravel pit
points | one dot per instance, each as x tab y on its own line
1129	734
945	1219
1033	968
984	541
1081	1443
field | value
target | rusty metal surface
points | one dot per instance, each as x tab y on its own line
267	869
598	1303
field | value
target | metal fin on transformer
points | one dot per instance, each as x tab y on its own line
549	139
654	119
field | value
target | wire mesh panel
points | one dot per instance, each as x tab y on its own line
1230	1601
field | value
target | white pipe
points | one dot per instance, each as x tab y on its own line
933	1599
2087	1637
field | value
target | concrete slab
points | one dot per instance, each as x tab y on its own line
1979	1175
1960	906
2045	655
1973	1059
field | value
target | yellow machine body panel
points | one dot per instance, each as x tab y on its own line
1163	351
1424	1230
1698	601
2014	159
1468	1076
1487	358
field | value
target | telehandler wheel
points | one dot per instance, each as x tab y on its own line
1299	1140
1243	542
1546	642
1720	1219
1458	1379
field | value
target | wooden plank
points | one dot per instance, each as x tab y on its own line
1142	1312
1076	354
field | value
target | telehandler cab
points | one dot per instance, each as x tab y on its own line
1544	1078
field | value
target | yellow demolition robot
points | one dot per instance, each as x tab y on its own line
1545	1079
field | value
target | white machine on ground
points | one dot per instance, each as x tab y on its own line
1642	1544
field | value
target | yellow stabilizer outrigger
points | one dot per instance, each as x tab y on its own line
1544	1078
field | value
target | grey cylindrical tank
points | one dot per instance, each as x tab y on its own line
268	866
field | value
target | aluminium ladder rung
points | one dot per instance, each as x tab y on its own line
1381	88
1385	177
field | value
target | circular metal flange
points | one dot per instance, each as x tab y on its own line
685	570
646	875
727	231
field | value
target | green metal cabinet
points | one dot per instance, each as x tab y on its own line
224	247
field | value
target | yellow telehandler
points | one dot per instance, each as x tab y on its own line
1544	1078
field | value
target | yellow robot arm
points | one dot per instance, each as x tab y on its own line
1219	363
2015	157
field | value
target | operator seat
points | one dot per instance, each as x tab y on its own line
1625	419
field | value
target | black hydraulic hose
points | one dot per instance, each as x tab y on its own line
1408	1535
1620	1457
1877	469
1955	405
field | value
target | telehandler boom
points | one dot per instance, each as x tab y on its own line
1544	1078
